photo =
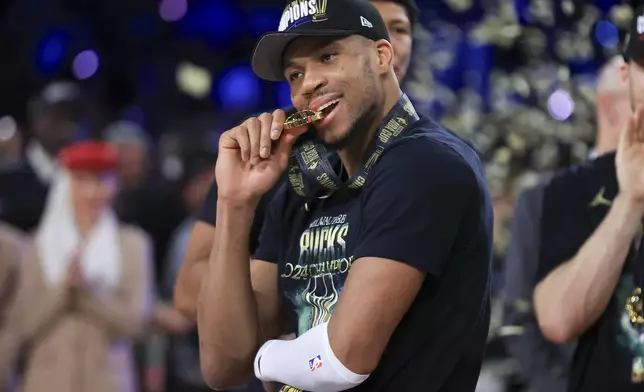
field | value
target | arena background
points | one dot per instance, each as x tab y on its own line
516	77
157	62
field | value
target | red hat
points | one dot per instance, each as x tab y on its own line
94	156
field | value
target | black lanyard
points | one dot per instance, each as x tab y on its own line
309	161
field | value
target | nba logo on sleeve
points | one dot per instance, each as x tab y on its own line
315	363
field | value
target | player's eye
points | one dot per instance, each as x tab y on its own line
294	76
326	57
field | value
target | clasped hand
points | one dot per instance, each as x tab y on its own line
75	276
253	155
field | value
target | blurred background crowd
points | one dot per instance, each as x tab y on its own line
161	79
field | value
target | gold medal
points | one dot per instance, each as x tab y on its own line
300	119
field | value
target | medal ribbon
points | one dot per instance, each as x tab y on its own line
309	161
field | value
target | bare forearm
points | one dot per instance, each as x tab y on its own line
170	320
575	294
227	317
188	287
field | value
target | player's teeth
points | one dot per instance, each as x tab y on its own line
326	105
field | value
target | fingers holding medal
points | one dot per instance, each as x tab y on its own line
255	137
253	155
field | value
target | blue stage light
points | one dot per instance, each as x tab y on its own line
134	114
263	20
607	34
50	51
85	64
239	89
219	20
283	95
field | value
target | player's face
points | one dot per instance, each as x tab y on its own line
338	76
636	82
91	193
400	33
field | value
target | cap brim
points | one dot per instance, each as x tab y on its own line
268	53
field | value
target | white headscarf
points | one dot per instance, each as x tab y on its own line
58	240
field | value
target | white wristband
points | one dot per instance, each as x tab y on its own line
306	363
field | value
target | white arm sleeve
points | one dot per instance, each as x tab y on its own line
306	363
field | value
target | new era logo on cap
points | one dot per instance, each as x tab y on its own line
365	22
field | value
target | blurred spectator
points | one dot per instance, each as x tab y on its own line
10	144
133	145
545	365
591	256
85	283
143	199
11	242
11	246
53	119
411	42
197	178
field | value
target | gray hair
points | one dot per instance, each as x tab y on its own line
127	132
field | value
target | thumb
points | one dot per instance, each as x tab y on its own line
282	150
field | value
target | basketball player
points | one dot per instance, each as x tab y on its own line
386	273
401	19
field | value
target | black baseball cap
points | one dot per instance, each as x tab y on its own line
634	48
319	18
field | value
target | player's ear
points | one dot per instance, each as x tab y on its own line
385	53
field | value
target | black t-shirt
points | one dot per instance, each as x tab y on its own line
425	203
575	203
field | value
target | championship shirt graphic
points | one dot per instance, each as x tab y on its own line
314	283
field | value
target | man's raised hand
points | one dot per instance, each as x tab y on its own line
253	155
630	158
